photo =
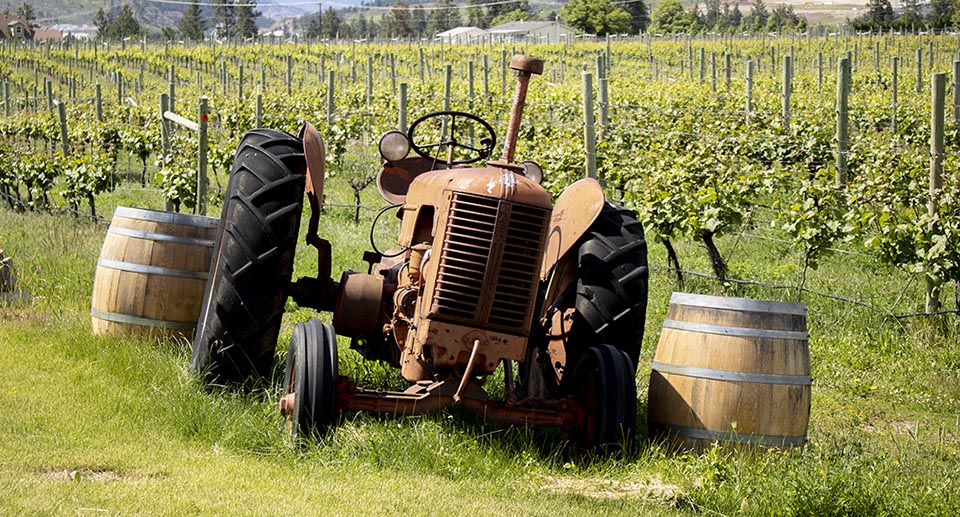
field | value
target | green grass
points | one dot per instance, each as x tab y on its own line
95	423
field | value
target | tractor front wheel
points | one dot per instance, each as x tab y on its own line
310	382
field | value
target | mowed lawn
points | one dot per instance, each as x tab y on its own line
92	425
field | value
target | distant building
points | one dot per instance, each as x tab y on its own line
462	35
532	32
15	27
80	32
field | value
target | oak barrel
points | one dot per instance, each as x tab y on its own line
152	272
731	370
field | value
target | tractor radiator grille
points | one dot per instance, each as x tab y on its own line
489	263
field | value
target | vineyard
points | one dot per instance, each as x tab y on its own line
704	138
815	169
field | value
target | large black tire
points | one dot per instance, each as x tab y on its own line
611	292
311	376
604	384
253	260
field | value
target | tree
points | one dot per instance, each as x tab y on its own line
711	18
476	16
418	20
191	23
397	21
940	14
758	16
911	16
639	16
784	19
600	17
733	18
443	18
359	26
668	17
879	15
102	21
330	24
246	19
168	33
223	19
26	12
125	25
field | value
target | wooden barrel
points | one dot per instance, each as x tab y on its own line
152	272
731	370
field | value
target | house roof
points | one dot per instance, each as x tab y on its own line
520	27
457	31
8	22
43	34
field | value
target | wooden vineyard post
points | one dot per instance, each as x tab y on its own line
240	85
749	106
202	180
64	138
713	72
843	93
589	135
728	67
819	71
164	140
369	81
331	76
703	65
956	92
171	106
787	87
936	172
893	88
604	104
6	97
289	76
486	77
919	71
258	116
402	115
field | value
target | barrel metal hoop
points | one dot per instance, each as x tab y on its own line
206	243
136	320
151	270
737	304
706	434
729	375
165	217
723	330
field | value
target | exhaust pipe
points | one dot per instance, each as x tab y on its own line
525	66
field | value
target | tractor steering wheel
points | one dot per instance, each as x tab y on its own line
448	138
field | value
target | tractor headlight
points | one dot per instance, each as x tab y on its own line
532	171
394	146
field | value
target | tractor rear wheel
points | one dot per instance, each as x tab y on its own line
603	383
253	260
611	291
310	380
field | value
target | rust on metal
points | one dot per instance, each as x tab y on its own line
525	66
286	404
576	209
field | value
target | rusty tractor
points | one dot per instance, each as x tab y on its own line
488	273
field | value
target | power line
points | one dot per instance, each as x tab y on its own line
365	7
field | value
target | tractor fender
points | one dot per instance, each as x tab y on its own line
314	153
576	209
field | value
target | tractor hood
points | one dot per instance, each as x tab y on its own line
494	182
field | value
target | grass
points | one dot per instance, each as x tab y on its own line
96	423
